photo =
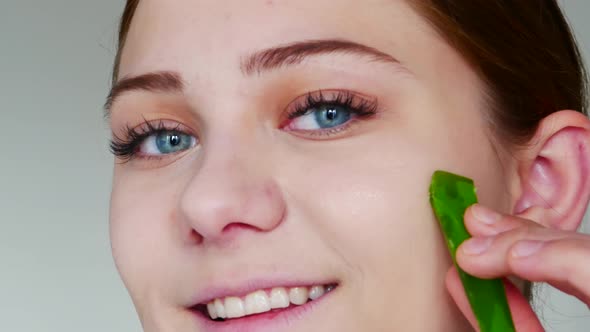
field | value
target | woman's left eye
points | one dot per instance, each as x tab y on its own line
324	113
322	117
166	142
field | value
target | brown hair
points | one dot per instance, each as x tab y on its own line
524	52
124	25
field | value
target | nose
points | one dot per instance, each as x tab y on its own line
232	192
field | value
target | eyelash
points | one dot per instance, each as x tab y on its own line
126	147
359	107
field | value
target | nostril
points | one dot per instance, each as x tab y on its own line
195	237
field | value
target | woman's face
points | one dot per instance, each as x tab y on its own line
294	146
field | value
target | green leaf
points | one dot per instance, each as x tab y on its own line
450	196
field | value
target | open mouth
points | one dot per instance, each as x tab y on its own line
260	302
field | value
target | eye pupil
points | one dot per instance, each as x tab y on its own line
331	114
174	140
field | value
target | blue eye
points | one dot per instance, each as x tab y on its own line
330	116
322	117
325	113
166	142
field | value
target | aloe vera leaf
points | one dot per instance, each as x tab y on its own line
450	196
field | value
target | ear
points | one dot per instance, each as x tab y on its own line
554	172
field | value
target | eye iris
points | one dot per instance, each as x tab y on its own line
170	142
331	116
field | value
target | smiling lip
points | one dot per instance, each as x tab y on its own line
215	292
273	320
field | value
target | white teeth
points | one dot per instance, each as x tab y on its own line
263	301
316	292
279	298
211	310
298	295
234	307
257	303
219	309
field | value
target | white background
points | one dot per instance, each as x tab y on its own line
56	270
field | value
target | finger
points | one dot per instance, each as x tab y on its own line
457	292
483	221
523	316
488	257
563	263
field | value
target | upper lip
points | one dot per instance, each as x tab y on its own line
242	288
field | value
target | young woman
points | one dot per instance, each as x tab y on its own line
273	160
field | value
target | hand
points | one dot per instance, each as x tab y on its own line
504	245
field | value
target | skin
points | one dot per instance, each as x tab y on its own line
256	200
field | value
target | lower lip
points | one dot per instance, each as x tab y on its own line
280	320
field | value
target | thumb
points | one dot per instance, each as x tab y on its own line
525	319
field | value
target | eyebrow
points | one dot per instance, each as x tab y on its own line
265	60
163	81
292	54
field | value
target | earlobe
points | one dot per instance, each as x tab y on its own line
554	172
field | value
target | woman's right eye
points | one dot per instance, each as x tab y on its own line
166	142
152	140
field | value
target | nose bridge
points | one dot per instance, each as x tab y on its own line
232	186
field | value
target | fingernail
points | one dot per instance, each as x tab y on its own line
485	215
526	248
476	245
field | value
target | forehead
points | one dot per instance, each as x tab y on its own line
184	34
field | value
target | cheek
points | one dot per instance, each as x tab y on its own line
373	208
373	211
139	229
